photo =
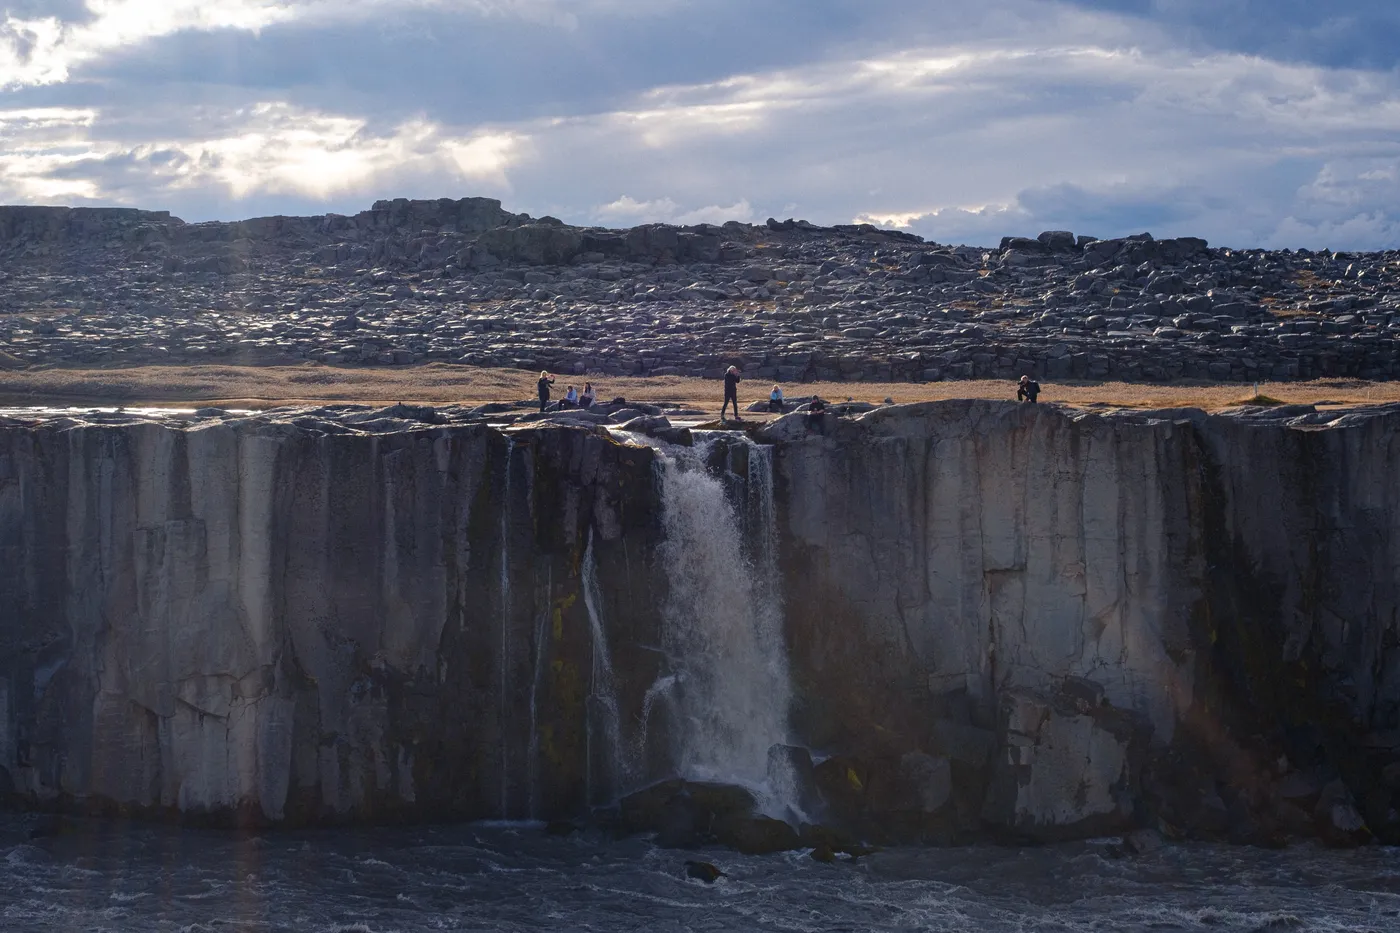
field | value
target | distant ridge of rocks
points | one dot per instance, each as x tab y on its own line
466	281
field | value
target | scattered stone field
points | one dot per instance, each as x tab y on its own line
466	282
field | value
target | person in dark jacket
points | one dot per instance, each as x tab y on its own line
1027	390
731	392
546	380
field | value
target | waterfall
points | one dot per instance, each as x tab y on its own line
603	734
723	625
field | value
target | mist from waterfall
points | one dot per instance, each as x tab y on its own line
723	626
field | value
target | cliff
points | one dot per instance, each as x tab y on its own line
978	619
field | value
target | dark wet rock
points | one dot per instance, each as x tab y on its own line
686	814
1143	842
791	766
756	835
703	871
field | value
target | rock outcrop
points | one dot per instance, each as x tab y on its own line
468	282
1002	621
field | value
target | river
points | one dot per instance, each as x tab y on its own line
117	877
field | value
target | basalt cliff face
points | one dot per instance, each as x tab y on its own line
988	620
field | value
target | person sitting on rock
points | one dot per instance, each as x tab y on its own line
571	398
775	400
816	410
586	399
731	392
546	380
1027	390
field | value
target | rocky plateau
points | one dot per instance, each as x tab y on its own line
465	281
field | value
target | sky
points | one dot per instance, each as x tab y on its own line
1271	123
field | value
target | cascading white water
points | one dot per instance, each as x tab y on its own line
604	734
723	627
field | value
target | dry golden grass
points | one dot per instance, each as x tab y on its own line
269	386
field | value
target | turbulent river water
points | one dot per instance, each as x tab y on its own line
121	877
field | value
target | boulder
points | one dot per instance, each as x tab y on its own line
1023	244
842	781
686	814
1061	241
790	767
756	835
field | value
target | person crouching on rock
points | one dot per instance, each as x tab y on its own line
571	398
1027	390
731	392
546	380
775	400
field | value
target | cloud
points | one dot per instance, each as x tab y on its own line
44	50
627	211
267	149
54	39
958	122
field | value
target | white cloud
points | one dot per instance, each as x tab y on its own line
740	210
275	149
627	211
46	50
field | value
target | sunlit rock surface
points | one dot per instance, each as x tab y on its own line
1000	621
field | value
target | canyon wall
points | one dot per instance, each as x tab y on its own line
997	620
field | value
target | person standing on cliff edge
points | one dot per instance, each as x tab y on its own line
546	380
731	392
1027	390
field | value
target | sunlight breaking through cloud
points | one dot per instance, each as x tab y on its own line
278	149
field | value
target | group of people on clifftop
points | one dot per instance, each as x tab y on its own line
572	398
1027	390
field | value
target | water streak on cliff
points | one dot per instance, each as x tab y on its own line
504	659
605	762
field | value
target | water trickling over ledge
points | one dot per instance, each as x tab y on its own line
936	622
